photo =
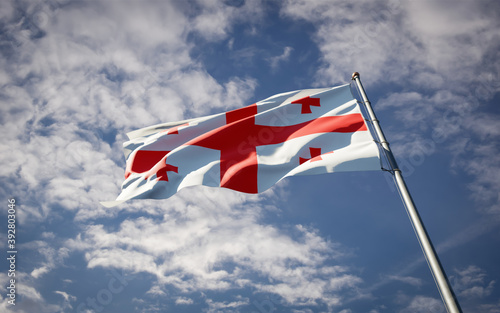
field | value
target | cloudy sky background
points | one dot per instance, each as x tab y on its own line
75	76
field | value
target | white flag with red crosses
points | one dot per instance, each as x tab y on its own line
312	131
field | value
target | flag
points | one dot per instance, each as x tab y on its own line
312	131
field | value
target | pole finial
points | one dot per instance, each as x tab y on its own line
354	75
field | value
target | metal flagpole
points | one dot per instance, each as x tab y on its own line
435	266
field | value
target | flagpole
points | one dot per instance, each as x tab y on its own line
435	266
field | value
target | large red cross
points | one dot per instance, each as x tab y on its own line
238	140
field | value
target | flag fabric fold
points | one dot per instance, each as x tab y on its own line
312	131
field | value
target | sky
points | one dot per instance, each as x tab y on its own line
76	76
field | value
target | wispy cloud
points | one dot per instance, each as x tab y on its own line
407	280
67	299
421	304
276	60
225	306
472	282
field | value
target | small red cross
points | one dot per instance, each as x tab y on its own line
307	102
160	169
315	155
149	161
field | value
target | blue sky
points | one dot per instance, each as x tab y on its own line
76	76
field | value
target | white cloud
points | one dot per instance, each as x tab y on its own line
156	290
461	32
48	235
221	245
484	166
183	301
446	57
214	306
424	305
98	70
362	36
417	282
216	18
472	283
28	298
36	273
49	256
276	60
490	308
426	42
67	299
447	122
65	295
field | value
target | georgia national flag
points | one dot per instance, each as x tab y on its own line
312	131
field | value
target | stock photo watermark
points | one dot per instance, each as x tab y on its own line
268	305
12	251
116	284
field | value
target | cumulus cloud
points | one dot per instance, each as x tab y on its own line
216	18
390	40
183	301
75	77
446	55
74	87
356	36
220	246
